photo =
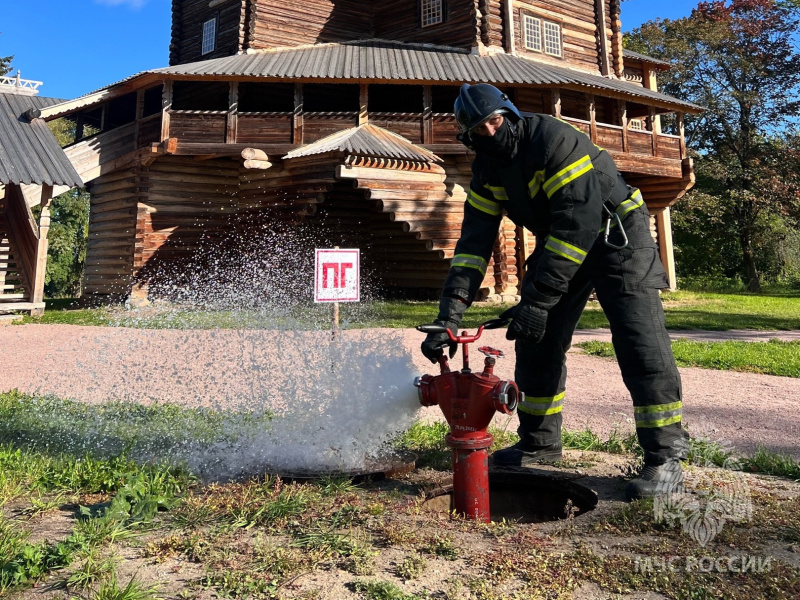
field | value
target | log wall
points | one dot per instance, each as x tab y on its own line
188	17
400	20
184	206
112	233
276	24
493	23
578	30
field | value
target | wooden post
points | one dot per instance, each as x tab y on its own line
665	247
592	118
623	120
653	127
139	113
297	135
103	116
555	98
511	44
79	127
427	115
233	113
40	266
602	32
363	103
681	134
335	315
166	107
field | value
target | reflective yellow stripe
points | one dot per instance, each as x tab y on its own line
471	261
498	192
635	201
566	250
484	204
658	415
535	184
657	408
659	422
541	407
632	203
567	174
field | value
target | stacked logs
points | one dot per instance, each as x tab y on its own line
112	223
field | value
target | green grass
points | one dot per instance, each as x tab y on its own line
769	358
770	310
144	433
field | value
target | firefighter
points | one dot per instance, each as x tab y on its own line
592	232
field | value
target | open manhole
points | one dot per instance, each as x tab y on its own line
524	497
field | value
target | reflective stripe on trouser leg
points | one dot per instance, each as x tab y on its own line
540	368
627	283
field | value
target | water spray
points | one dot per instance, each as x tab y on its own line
469	401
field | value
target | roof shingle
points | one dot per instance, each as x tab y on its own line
29	153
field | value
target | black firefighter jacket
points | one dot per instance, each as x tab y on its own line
555	187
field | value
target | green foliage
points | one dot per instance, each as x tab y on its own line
22	562
589	441
109	589
737	59
382	590
5	64
68	240
771	358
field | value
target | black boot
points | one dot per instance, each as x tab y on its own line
655	480
525	455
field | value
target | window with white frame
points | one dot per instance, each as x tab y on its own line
432	12
552	38
533	33
541	36
209	35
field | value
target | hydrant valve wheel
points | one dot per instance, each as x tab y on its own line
492	352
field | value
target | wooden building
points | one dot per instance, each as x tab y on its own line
340	111
32	166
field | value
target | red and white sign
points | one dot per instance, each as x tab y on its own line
337	276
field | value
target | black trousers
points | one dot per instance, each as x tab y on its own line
626	283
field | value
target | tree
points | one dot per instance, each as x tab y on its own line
69	231
5	64
738	59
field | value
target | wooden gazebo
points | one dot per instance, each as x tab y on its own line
32	165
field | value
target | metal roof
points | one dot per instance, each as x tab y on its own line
386	60
369	140
29	153
645	58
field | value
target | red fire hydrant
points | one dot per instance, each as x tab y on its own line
469	401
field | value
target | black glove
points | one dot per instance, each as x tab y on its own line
451	310
435	343
528	322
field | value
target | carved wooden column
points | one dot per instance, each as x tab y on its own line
233	113
40	266
166	107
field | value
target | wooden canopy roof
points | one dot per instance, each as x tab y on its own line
367	140
29	153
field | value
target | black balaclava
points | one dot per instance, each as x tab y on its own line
502	146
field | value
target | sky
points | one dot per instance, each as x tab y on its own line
78	46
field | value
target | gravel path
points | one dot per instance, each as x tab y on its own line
218	368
